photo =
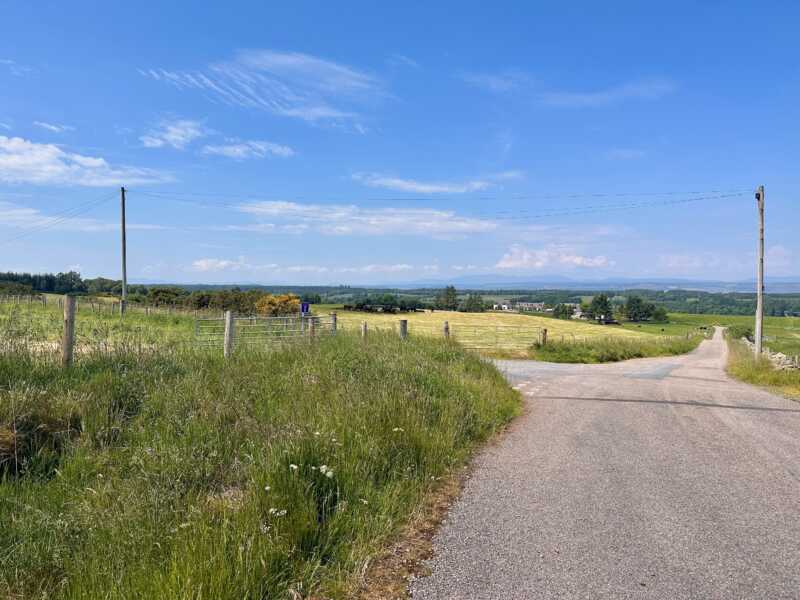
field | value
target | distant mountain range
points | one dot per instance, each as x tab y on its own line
494	282
775	285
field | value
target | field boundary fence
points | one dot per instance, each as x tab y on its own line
231	331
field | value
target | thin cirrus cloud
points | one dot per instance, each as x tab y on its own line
650	89
400	184
523	258
241	150
24	217
177	134
25	161
14	67
54	127
341	219
509	80
290	84
498	83
219	265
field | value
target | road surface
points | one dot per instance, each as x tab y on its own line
653	478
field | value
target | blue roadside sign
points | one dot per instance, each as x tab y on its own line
305	308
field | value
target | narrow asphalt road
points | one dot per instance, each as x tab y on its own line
653	478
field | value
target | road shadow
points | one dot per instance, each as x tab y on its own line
672	402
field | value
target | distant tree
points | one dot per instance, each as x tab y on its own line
447	299
165	295
69	282
473	303
311	298
600	307
563	311
636	309
659	314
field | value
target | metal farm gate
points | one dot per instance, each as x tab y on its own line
261	331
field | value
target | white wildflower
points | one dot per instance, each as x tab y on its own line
396	429
329	474
363	501
293	467
277	513
267	488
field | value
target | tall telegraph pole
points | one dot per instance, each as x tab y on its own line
124	257
760	284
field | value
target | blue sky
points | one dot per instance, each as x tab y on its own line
361	143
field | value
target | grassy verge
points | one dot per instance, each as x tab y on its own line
272	475
743	365
601	350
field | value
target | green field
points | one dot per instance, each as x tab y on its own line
176	474
509	334
781	334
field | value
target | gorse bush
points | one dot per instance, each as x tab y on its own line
608	349
270	475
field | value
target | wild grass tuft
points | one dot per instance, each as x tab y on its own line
601	350
744	365
273	474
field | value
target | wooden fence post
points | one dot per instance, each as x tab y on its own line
68	336
333	323
544	337
363	330
230	334
312	327
403	329
446	329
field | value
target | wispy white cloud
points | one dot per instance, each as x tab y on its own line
290	84
241	150
401	60
14	67
212	265
341	219
5	126
216	265
419	187
395	268
649	89
54	127
24	161
416	186
177	133
23	217
498	83
523	258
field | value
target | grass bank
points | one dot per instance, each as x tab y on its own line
743	365
602	350
272	475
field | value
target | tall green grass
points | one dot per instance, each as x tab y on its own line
744	365
272	475
609	349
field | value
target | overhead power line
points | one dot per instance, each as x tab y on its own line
58	218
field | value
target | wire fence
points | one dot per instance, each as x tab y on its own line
256	330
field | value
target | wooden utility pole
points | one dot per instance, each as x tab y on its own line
760	284
124	257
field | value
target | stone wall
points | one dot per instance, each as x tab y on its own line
779	359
